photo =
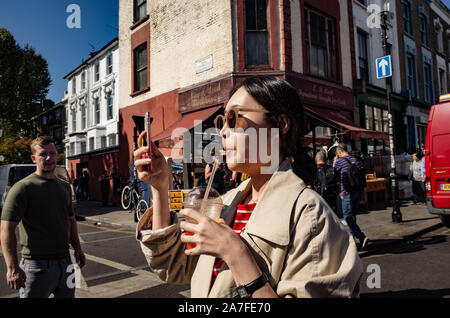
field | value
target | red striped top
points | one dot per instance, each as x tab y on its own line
242	216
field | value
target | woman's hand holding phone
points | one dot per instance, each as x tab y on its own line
158	177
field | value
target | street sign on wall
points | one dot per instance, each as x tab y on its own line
384	66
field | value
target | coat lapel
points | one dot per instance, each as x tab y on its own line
271	217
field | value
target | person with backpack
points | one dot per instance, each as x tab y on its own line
326	181
352	181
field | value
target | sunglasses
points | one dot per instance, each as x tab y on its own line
231	118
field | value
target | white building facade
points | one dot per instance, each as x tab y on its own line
93	112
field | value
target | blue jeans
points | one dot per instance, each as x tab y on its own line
47	276
349	204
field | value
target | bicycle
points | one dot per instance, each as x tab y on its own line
131	199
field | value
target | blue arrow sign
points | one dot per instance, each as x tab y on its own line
384	66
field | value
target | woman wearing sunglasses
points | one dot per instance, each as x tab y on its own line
277	238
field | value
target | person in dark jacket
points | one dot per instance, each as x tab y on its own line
326	182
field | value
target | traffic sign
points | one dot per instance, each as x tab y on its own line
384	66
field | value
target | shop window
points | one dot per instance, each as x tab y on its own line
320	44
256	34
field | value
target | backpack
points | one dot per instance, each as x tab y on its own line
326	181
356	174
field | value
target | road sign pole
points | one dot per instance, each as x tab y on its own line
396	214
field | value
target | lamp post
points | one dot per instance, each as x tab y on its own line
396	214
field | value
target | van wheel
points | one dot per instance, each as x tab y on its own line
446	220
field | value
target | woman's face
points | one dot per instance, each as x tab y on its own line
247	147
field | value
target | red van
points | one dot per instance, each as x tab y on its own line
437	160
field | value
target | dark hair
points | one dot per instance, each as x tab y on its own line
279	97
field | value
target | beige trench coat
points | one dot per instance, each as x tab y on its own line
292	233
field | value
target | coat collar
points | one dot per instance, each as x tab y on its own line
271	217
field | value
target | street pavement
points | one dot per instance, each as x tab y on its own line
375	222
116	267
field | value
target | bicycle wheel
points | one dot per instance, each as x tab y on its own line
125	198
141	207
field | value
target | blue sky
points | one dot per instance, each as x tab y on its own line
42	24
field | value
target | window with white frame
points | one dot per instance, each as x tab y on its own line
91	144
83	146
109	64
109	105
74	86
112	140
74	120
96	110
83	80
83	118
96	72
102	141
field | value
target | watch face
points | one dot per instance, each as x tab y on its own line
242	292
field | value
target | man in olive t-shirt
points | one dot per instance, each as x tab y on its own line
41	205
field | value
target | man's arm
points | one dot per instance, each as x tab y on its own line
75	242
15	276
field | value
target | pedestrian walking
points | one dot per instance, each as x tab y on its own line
85	185
350	196
218	182
105	187
46	227
417	174
277	237
326	181
115	176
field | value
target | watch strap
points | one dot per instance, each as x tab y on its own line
247	290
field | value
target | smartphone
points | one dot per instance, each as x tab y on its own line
147	122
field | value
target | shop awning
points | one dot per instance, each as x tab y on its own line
187	121
335	119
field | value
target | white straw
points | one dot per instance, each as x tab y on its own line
208	187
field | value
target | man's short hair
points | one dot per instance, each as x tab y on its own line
41	141
342	147
321	156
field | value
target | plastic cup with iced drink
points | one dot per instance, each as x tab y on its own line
211	208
